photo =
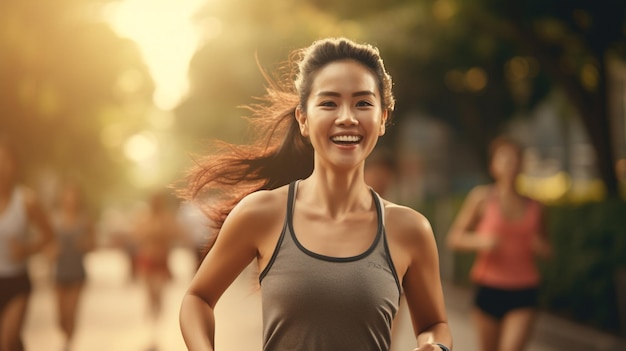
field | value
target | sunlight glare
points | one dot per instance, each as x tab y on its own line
167	38
141	147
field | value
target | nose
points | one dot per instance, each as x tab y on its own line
346	117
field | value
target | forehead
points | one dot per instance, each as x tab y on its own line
344	76
506	152
506	149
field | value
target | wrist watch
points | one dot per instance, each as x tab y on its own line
442	347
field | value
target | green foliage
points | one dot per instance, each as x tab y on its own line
589	250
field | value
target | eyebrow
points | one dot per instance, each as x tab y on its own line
335	94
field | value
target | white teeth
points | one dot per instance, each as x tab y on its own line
346	138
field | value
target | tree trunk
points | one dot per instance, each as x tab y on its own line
597	121
591	106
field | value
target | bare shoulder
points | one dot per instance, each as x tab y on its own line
479	193
406	225
262	207
263	201
409	235
475	200
253	222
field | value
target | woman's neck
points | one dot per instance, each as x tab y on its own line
505	186
336	195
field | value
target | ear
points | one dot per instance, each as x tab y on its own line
302	122
383	123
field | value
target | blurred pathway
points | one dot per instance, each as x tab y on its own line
114	315
113	311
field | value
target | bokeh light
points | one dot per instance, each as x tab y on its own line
167	38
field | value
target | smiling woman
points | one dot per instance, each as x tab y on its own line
166	36
333	256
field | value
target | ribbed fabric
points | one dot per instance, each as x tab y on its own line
315	302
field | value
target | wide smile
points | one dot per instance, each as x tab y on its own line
346	139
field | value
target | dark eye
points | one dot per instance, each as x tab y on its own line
328	104
364	103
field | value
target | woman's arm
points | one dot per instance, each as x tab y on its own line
460	236
236	246
421	280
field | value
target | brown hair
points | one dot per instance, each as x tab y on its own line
279	154
504	140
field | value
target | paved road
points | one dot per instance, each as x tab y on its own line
113	315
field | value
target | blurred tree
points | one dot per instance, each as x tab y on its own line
574	43
66	81
477	64
226	72
474	64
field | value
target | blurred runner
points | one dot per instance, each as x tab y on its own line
19	209
506	230
74	238
155	233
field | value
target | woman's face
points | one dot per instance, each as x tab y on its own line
344	116
506	162
7	168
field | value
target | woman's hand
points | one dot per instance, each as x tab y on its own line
487	243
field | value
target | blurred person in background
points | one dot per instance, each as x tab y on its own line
74	231
506	229
380	171
20	210
333	256
155	233
197	226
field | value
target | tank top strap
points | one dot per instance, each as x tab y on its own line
380	207
380	211
291	199
291	196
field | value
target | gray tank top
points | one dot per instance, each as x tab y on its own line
316	302
70	267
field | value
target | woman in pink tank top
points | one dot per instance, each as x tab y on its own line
506	231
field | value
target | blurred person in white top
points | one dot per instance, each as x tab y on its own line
19	211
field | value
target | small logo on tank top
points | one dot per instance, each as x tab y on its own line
375	265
